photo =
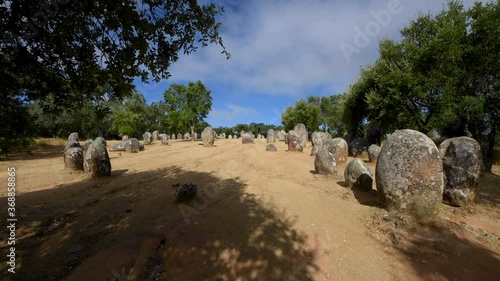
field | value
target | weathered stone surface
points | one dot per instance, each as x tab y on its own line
340	150
164	139
96	161
294	142
88	142
281	135
73	137
148	138
271	147
73	158
246	138
173	137
286	138
321	140
462	167
409	174
271	136
301	131
374	136
179	136
324	162
208	137
125	137
186	192
373	152
358	175
187	136
196	135
131	145
156	135
230	136
358	146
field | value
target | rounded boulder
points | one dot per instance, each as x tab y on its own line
409	174
358	175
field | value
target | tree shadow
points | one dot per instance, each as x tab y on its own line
50	151
129	226
489	189
442	251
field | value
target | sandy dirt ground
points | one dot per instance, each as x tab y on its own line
258	216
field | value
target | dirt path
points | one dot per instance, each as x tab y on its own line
260	216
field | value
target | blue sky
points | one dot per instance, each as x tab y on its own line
284	50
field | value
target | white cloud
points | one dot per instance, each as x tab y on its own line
293	47
231	113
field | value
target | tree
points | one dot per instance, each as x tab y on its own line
188	105
444	75
66	49
129	116
303	112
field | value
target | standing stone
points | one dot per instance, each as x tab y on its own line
73	156
373	152
125	137
241	133
187	136
463	166
357	174
163	138
271	136
286	138
340	150
173	136
73	137
259	136
271	147
321	140
88	142
358	146
148	138
156	135
374	136
208	137
324	163
179	136
283	135
230	136
246	138
294	142
409	174
196	135
97	162
301	131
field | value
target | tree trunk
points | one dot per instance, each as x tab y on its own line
192	133
488	158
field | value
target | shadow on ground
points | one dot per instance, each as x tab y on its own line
444	252
128	227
